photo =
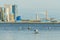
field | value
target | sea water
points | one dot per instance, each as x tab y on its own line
21	32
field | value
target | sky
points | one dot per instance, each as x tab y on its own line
27	9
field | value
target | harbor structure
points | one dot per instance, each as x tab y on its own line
8	14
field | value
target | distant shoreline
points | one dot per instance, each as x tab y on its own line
29	22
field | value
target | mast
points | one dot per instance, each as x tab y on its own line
46	15
37	17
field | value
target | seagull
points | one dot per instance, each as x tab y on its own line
29	28
36	31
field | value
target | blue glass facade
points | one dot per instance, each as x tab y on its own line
13	10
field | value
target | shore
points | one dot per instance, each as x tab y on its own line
33	22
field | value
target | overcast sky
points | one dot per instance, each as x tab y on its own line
27	9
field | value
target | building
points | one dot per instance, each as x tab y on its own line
3	11
1	14
14	11
11	18
10	11
7	12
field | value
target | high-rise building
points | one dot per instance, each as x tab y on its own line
3	11
7	14
1	14
10	11
14	10
11	18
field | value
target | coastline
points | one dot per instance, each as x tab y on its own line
31	22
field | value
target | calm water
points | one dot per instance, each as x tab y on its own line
21	32
24	26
